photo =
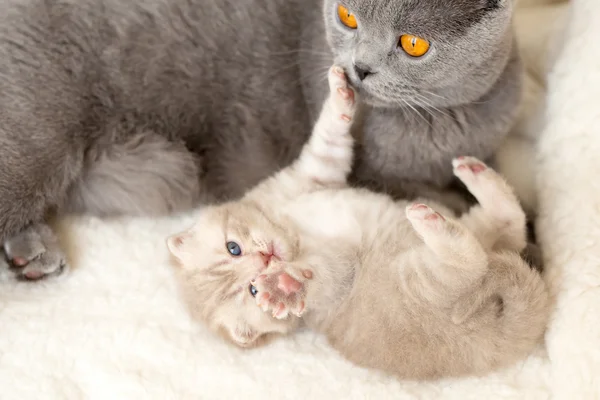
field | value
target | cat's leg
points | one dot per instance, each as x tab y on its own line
35	253
37	165
498	220
456	259
326	159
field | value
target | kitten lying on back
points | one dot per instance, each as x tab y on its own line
394	286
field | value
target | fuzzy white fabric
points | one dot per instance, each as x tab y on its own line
115	328
569	205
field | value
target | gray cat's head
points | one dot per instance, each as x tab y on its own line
420	52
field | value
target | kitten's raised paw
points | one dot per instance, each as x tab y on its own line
343	97
423	218
34	254
466	168
281	294
491	190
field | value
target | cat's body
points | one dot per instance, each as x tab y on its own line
148	107
393	286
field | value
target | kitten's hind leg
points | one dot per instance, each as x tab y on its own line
459	257
499	220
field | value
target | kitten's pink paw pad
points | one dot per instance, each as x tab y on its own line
342	95
433	216
423	212
281	293
417	207
346	94
339	71
469	165
424	217
288	284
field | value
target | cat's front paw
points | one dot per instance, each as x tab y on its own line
343	97
33	254
281	294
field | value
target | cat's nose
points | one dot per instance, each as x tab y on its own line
362	71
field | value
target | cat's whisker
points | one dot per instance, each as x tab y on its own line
320	72
417	112
297	51
425	103
296	63
435	95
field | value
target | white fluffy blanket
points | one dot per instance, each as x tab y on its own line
115	329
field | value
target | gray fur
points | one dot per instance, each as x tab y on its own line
145	107
143	176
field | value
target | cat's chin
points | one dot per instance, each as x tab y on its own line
375	102
370	99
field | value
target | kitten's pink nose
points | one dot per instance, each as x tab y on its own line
266	257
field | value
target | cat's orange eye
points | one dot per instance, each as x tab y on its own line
414	46
346	18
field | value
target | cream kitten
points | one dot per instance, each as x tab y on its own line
394	286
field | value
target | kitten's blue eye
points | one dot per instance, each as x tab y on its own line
234	249
253	290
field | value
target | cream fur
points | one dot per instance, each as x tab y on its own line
116	330
398	287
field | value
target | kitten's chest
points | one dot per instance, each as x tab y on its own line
325	218
349	217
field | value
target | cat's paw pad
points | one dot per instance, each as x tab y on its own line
281	294
342	95
424	217
35	254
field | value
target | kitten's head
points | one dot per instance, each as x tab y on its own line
428	53
217	259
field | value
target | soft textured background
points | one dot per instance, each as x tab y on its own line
115	328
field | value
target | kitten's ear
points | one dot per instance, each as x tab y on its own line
179	246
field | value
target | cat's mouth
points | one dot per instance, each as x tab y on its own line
369	96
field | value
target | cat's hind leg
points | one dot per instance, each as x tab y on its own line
499	220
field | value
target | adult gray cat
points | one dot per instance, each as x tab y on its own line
147	107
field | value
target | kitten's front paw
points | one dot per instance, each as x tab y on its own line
281	294
343	97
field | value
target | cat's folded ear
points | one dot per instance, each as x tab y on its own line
180	247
